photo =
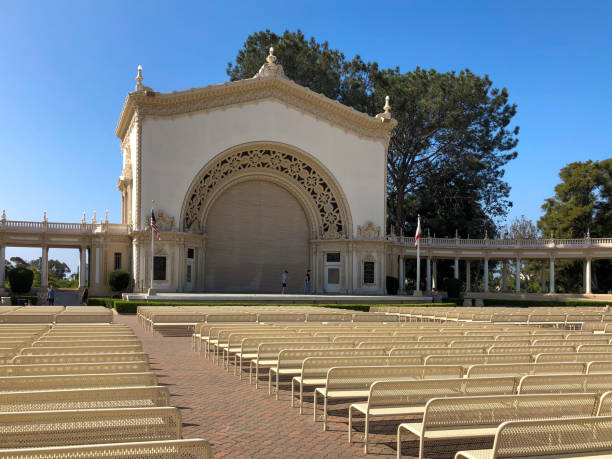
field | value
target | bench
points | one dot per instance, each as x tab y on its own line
291	361
72	399
573	357
48	382
459	418
408	398
80	350
73	368
468	360
531	349
599	367
314	370
520	369
570	438
80	358
538	384
179	449
87	343
348	383
30	429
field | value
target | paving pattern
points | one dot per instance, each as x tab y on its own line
242	422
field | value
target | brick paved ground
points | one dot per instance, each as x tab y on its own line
242	422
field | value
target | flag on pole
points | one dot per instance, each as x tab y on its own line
154	225
418	234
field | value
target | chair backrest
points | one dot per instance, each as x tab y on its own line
467	360
553	437
328	317
267	351
605	404
59	428
520	369
419	392
80	350
495	409
73	368
374	317
360	377
318	367
595	348
599	367
573	357
72	399
540	384
49	382
80	358
281	317
502	349
178	317
242	317
570	341
293	358
87	343
235	339
437	351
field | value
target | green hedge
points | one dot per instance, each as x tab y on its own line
501	302
33	299
106	302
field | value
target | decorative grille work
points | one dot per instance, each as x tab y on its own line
331	225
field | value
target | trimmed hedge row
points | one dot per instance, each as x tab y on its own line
106	302
33	299
500	302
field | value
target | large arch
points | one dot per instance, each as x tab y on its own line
295	170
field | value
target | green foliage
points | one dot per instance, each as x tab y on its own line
529	303
106	302
581	205
453	287
20	280
392	285
118	280
32	298
453	138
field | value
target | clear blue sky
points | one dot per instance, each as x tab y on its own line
66	66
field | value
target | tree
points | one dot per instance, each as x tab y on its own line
19	262
581	205
20	279
58	269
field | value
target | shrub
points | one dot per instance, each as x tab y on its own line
32	298
392	285
106	302
20	280
118	280
453	287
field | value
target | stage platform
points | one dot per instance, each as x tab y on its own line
264	298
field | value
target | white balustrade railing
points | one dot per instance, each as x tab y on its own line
61	227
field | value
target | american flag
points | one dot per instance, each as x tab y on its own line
154	225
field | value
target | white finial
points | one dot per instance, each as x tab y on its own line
387	107
271	59
45	216
93	218
83	218
139	86
106	216
3	218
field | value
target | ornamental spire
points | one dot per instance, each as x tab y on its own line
139	85
270	68
386	115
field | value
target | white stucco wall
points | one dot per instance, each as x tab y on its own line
174	151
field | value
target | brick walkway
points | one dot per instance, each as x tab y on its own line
242	422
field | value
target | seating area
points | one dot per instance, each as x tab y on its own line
439	377
81	386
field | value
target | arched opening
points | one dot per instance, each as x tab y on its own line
255	230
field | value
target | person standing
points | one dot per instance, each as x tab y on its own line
51	295
284	282
307	284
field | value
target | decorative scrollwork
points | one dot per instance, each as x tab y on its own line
331	225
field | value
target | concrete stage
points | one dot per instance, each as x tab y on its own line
271	298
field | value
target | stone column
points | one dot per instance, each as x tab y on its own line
468	283
551	282
2	255
543	279
44	277
587	275
456	267
428	287
401	277
434	274
504	286
486	275
517	287
83	267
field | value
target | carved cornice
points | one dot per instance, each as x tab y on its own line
238	92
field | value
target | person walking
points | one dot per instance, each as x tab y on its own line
307	284
84	296
284	282
51	295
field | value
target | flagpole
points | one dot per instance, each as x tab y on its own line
418	266
151	289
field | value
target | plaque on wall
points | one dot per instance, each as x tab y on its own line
368	272
333	257
159	268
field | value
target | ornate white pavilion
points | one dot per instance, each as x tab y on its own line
251	178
